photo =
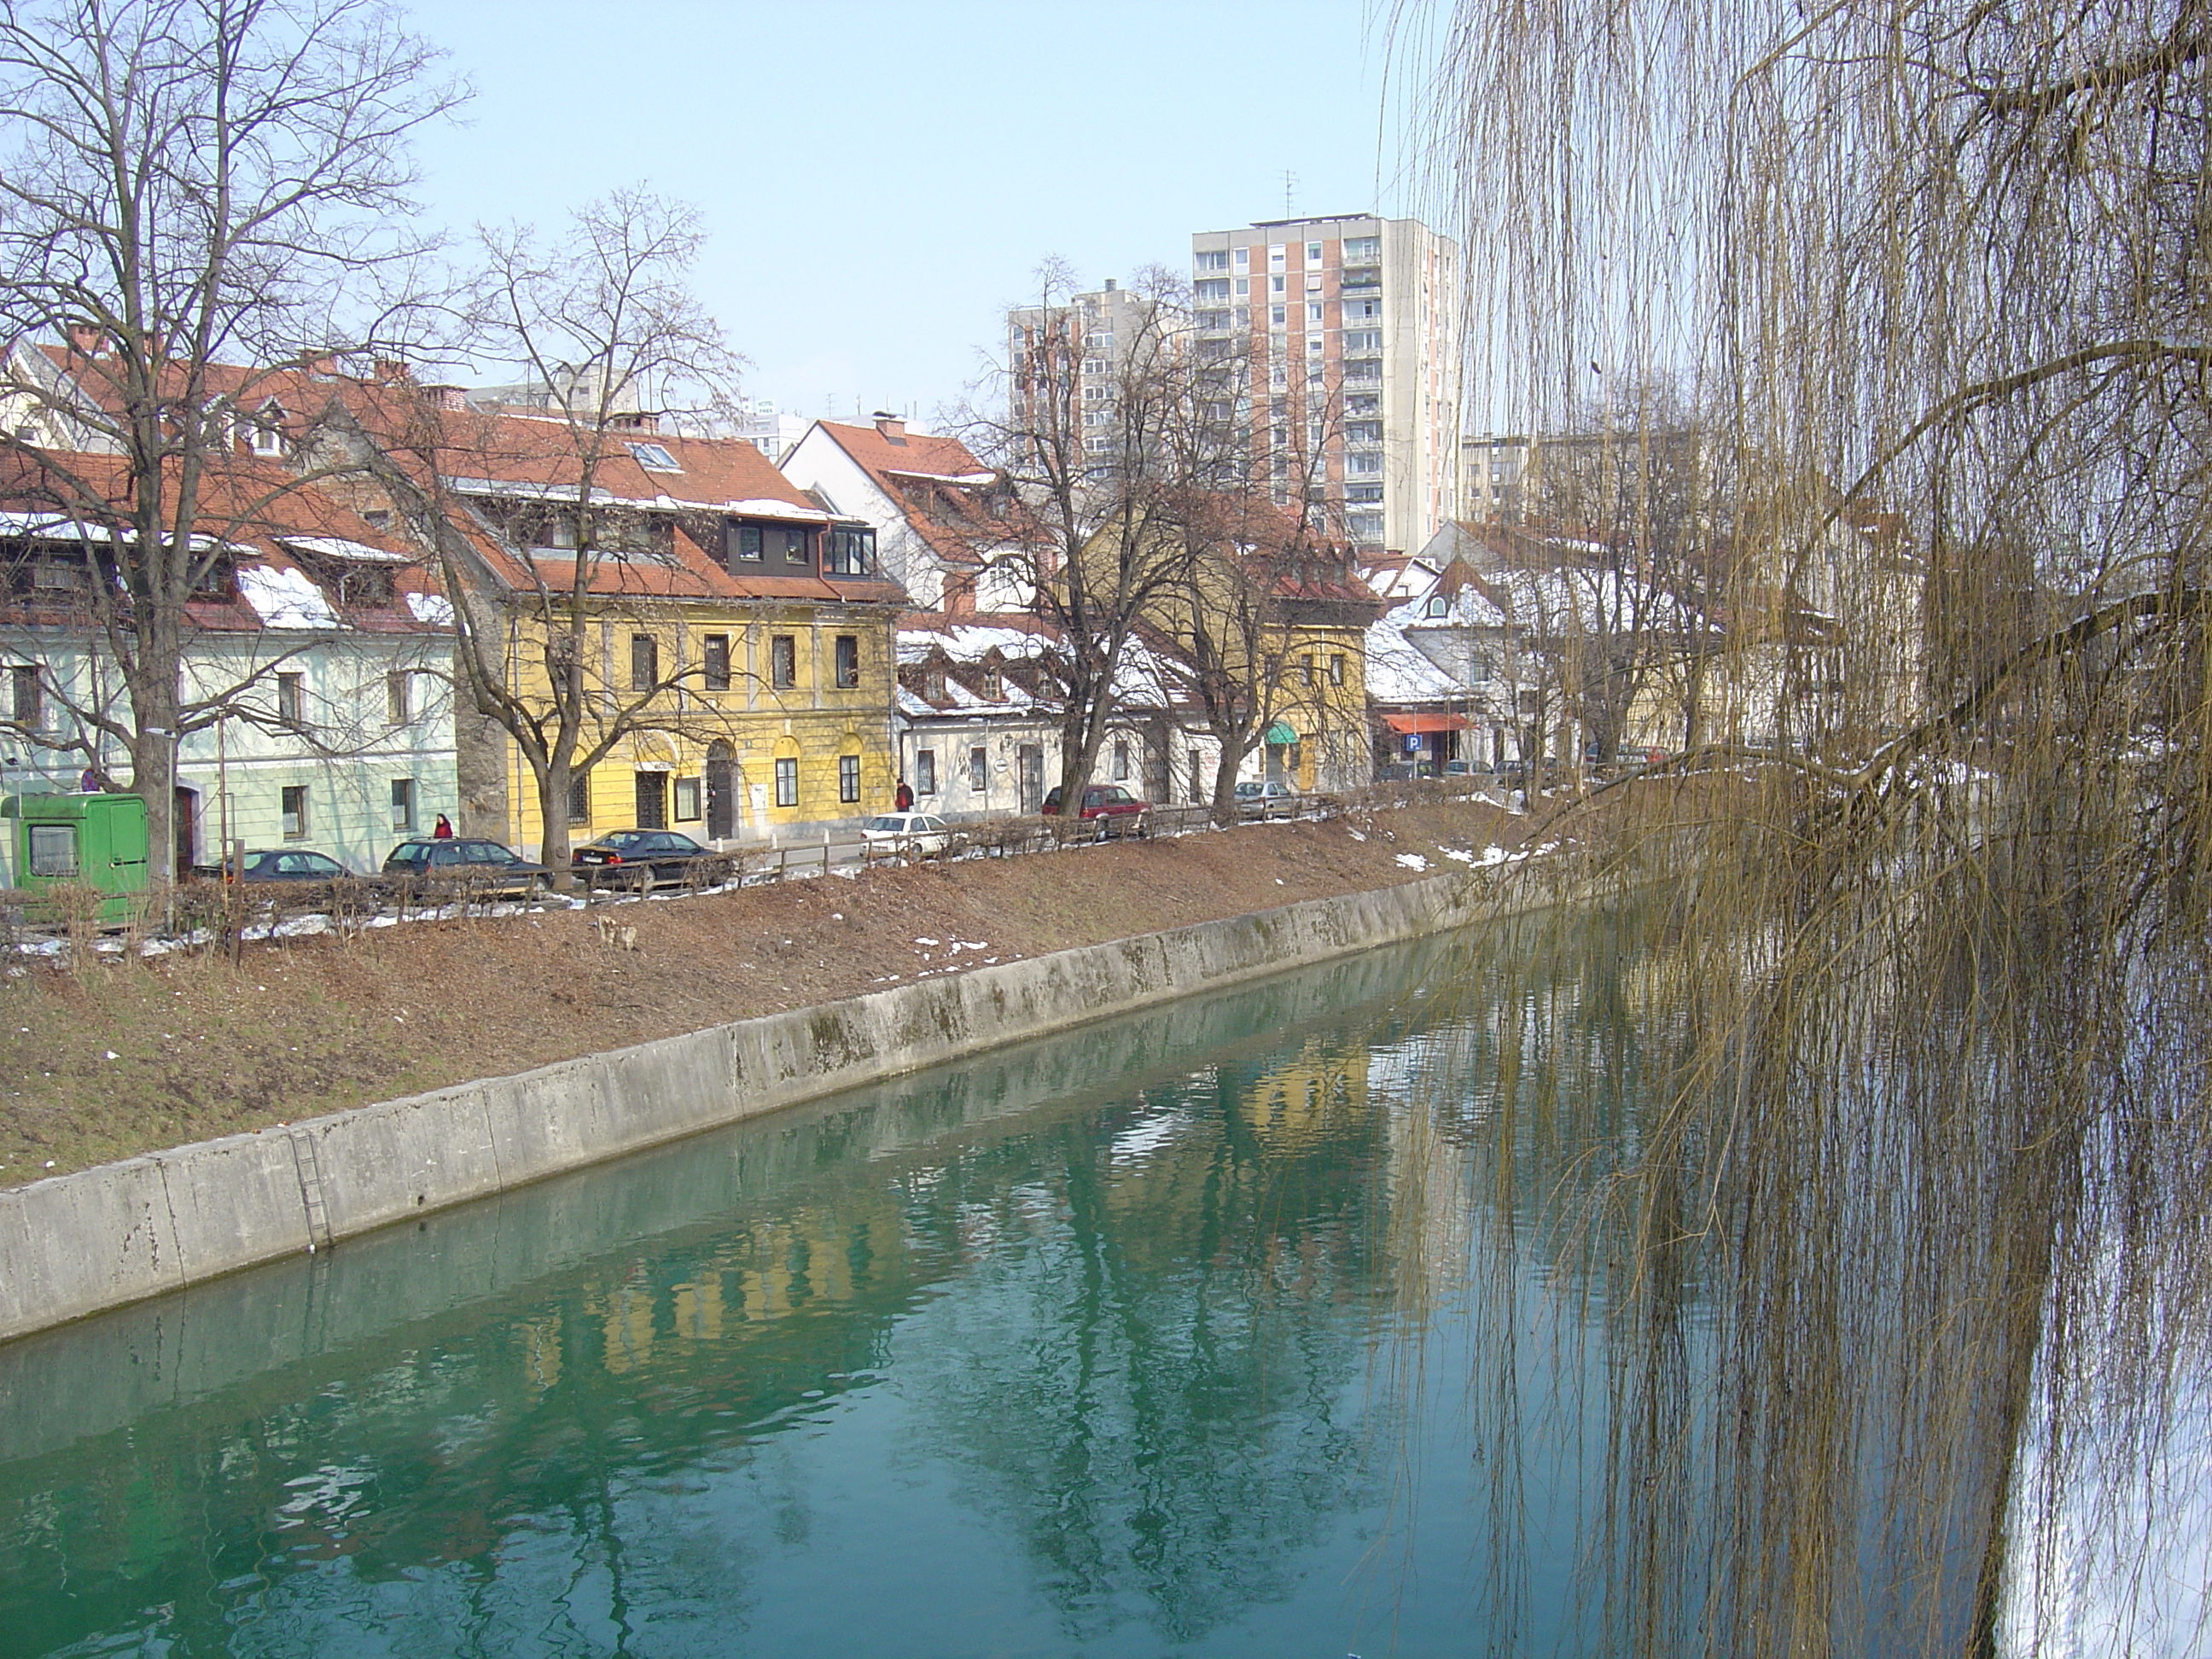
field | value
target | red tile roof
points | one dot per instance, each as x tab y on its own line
261	509
938	484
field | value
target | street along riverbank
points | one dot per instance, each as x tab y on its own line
125	1058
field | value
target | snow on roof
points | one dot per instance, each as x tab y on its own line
967	642
972	480
337	547
433	608
285	599
763	506
51	525
1398	671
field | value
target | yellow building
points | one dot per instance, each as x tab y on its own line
1263	626
728	644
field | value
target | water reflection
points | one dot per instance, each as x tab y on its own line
1285	1321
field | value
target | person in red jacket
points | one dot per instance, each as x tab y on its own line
443	830
903	801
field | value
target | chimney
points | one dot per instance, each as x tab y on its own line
392	371
447	397
84	339
634	419
891	426
1109	284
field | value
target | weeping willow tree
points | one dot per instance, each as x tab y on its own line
1926	1183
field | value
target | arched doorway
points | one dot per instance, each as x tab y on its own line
721	791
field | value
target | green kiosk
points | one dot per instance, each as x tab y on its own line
89	840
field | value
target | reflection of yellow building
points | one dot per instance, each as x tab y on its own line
1293	1106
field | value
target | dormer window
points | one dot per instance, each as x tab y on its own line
265	435
1439	606
994	684
655	457
932	685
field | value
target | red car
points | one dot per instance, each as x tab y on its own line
1114	809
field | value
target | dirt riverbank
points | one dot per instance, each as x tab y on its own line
122	1058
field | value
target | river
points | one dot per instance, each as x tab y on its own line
1265	1325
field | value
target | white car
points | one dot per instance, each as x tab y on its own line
906	832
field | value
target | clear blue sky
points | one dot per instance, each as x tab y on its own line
880	180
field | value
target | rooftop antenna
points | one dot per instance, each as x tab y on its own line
1290	188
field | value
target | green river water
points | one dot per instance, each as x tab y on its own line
1191	1333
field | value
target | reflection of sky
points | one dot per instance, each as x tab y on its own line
1192	1370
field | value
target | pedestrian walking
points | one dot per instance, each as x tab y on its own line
903	801
443	830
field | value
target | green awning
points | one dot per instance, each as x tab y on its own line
1282	732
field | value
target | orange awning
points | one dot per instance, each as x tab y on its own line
1410	724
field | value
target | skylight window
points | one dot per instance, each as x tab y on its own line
654	458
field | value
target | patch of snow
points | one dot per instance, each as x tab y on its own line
434	609
1413	860
285	599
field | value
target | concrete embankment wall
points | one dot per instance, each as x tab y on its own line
99	1238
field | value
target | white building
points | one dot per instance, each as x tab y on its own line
1350	330
944	521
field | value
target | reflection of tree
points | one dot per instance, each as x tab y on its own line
1153	1386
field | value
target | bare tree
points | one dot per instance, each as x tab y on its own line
193	183
1106	461
604	327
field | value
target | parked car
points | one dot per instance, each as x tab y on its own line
482	866
1111	807
1267	798
624	857
907	832
286	864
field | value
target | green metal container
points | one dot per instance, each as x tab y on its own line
80	840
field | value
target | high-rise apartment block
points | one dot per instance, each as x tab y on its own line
1348	329
1081	344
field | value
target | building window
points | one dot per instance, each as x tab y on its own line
1244	257
1279	284
792	546
655	457
848	661
716	673
787	781
848	777
1336	670
1439	606
580	797
687	800
783	661
652	792
403	803
742	541
292	806
1310	667
852	552
644	662
925	771
1216	259
979	769
398	698
1120	760
292	699
1313	253
1362	248
1362	340
26	697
